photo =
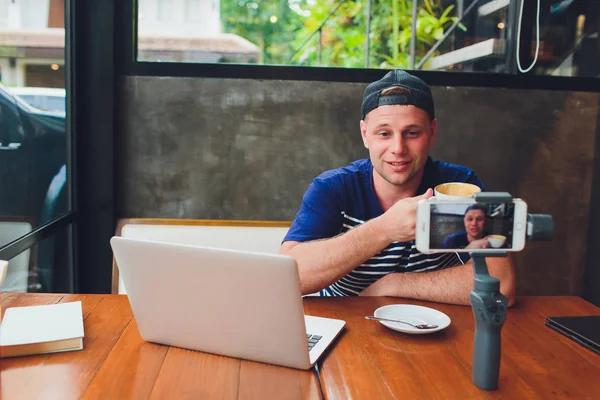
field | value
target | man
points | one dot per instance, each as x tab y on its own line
354	233
473	236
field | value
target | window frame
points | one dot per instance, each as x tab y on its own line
126	51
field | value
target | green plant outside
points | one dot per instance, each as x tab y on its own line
343	36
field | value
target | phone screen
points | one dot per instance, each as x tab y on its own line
471	226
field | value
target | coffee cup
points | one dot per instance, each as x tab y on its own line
496	241
455	191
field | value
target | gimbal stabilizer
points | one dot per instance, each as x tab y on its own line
488	304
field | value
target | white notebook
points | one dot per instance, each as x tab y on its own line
41	329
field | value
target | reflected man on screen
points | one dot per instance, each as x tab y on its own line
474	236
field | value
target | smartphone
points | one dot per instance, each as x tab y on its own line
466	225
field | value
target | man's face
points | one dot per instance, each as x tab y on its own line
474	222
398	138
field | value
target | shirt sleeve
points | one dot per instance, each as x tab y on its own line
474	179
320	215
448	243
456	241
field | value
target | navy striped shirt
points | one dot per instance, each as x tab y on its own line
341	199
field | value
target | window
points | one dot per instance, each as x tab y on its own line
43	99
33	141
42	268
451	35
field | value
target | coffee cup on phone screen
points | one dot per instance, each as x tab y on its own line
496	241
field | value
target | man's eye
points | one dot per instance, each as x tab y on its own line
383	133
412	133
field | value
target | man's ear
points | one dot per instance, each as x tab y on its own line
363	133
434	129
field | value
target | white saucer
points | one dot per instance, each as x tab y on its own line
414	315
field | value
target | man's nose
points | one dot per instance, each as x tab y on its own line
399	145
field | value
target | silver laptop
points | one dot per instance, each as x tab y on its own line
227	302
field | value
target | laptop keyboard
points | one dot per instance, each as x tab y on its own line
312	340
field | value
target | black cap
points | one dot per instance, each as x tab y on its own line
420	94
475	206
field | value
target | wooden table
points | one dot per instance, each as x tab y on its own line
368	361
117	364
372	361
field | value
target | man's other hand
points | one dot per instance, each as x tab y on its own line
479	244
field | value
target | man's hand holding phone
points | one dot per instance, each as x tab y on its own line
400	220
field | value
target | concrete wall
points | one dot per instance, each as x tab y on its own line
247	149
